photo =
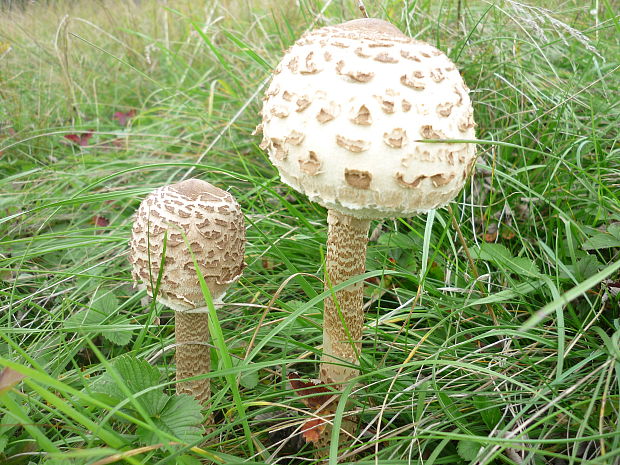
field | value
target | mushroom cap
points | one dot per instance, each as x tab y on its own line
347	117
213	224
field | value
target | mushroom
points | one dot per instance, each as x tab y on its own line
380	155
200	222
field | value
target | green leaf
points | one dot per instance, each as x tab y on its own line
104	302
614	230
57	461
450	409
103	306
180	415
248	379
518	291
490	413
177	415
468	450
3	442
491	252
120	337
602	240
84	318
137	376
522	265
586	267
501	256
398	240
188	460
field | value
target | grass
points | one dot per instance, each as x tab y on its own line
510	358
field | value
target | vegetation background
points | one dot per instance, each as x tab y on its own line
510	358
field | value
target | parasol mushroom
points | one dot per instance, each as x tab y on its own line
209	220
355	117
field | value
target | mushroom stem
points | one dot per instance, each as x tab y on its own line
343	317
193	355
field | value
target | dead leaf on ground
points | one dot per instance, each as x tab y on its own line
123	117
319	392
9	378
100	221
312	429
80	139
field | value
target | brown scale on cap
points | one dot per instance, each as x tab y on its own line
406	160
466	122
427	132
409	56
295	137
387	103
303	102
310	165
293	64
355	75
359	51
357	178
362	116
279	111
311	66
380	45
444	109
328	112
385	57
352	145
451	159
414	80
280	149
272	91
423	154
442	179
437	75
459	94
400	179
395	138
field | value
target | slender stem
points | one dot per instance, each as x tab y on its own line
474	269
344	317
193	356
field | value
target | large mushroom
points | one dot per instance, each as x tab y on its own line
197	214
359	117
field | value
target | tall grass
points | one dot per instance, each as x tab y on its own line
512	361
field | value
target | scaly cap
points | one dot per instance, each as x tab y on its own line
347	114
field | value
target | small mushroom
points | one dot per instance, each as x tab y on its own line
195	216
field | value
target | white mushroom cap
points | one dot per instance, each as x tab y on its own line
347	113
213	224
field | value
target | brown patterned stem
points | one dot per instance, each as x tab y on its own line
343	318
192	354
